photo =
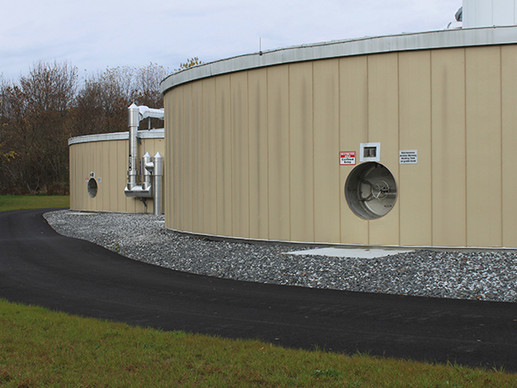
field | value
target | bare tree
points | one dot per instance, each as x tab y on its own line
101	106
147	85
35	118
46	107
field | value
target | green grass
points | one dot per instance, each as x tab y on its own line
41	348
18	202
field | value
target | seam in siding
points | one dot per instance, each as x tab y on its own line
398	144
431	141
501	240
465	135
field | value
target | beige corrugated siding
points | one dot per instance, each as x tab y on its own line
258	154
483	144
353	107
301	162
328	191
240	155
383	127
279	226
509	144
255	153
415	200
108	161
448	147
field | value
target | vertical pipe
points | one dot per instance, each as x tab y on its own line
146	160
134	121
158	184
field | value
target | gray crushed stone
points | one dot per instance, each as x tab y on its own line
478	275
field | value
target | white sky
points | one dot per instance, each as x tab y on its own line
94	34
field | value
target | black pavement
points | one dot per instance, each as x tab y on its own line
39	266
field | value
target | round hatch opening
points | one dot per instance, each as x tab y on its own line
370	190
92	187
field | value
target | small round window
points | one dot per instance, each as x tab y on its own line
92	187
370	190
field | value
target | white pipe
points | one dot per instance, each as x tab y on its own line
146	112
134	121
151	170
146	160
157	183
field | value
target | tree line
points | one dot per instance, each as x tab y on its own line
41	110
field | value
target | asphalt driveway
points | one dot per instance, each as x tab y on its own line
38	266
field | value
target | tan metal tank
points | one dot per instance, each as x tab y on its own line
98	171
261	146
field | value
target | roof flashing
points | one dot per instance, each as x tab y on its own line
344	48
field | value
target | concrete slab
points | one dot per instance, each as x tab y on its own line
363	253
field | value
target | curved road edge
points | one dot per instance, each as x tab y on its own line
39	266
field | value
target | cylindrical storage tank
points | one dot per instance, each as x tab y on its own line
405	140
98	171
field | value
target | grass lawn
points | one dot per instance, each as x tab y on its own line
39	347
18	202
43	348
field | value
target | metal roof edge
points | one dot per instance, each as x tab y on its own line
142	134
344	48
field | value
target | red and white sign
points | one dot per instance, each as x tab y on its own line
347	158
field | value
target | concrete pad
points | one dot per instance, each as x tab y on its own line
362	253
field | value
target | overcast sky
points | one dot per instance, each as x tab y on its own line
95	34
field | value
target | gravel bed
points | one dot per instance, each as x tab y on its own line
479	275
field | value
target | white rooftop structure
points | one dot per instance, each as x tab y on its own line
489	13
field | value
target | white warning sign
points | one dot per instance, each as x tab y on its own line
408	156
346	158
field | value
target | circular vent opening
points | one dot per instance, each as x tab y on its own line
370	190
92	187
